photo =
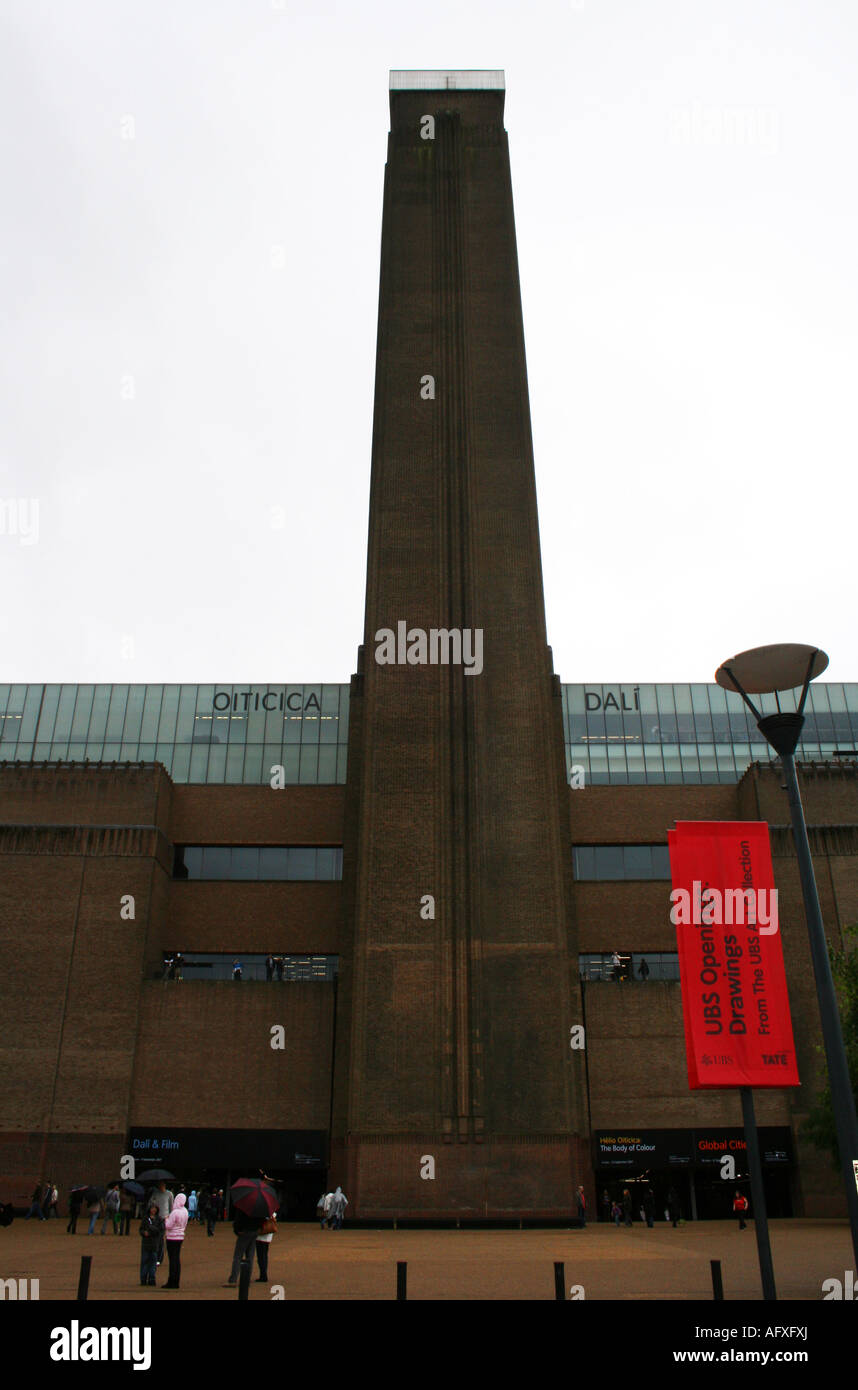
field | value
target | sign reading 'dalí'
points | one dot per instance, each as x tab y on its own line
738	1030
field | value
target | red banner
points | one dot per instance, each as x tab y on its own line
738	1030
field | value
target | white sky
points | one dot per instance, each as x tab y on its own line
687	219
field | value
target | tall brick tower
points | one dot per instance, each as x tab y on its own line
457	1091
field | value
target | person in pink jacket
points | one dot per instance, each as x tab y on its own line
174	1234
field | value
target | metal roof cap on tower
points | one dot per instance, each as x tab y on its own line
474	80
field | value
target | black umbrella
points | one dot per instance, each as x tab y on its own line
155	1175
90	1193
135	1188
254	1197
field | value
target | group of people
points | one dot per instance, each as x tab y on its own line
43	1202
620	1212
331	1208
621	967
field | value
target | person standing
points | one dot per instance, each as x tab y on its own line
740	1206
174	1234
192	1205
606	1206
616	1212
616	964
164	1202
339	1202
649	1207
263	1246
36	1204
582	1207
236	969
151	1231
74	1212
126	1206
210	1212
111	1208
627	1207
278	966
246	1230
269	967
643	969
322	1209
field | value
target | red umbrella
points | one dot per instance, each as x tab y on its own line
254	1197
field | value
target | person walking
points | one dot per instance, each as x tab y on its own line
51	1201
93	1211
174	1234
192	1205
322	1209
582	1206
648	1205
36	1204
75	1200
673	1206
606	1206
627	1207
263	1246
643	969
740	1206
246	1230
616	1212
616	964
236	969
111	1208
269	967
339	1202
151	1231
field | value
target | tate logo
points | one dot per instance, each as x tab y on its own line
774	1059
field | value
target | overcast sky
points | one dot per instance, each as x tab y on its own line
190	322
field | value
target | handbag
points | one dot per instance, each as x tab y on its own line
268	1227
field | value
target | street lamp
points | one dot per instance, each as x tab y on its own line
770	670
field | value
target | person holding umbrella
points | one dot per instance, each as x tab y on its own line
75	1203
254	1201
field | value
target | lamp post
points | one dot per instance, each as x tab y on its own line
770	670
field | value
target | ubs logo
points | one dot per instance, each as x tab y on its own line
594	701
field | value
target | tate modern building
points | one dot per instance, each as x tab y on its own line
422	915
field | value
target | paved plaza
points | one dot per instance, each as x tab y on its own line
608	1262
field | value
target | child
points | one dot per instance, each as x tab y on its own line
616	1212
151	1230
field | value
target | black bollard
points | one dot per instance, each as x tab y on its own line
559	1282
244	1281
83	1281
401	1281
717	1286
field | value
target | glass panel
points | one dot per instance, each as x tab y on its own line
217	860
302	863
274	863
637	861
245	862
609	861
